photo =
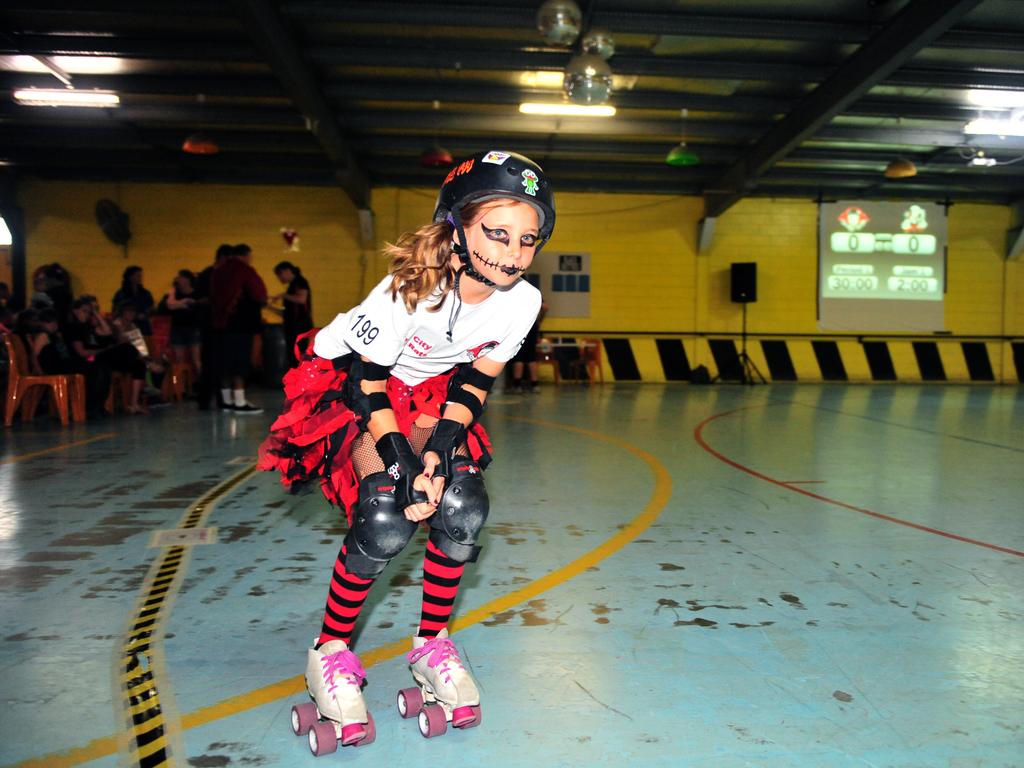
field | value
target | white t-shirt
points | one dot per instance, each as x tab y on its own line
415	346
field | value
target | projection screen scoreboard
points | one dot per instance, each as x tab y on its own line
881	266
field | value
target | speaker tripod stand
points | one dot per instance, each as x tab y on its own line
749	373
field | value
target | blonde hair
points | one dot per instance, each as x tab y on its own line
421	263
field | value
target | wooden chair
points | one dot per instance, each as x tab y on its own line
25	390
546	356
589	362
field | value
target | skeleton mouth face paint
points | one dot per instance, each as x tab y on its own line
506	269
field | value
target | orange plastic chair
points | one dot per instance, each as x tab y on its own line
24	390
590	361
178	381
120	384
546	356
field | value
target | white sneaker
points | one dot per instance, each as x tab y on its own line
247	408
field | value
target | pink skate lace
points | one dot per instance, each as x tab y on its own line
442	651
347	665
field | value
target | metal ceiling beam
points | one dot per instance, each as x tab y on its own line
425	124
427	90
636	22
919	23
271	36
380	52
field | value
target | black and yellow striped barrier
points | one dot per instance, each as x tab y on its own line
656	357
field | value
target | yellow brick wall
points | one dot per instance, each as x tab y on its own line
647	275
176	226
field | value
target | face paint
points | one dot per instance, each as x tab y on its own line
508	270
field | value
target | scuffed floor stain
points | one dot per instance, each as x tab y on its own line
601	610
696	606
748	626
55	557
209	761
29	578
793	600
530	615
697	623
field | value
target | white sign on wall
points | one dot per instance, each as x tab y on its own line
564	280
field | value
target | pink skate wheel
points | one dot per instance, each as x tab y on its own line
371	732
466	717
410	702
303	718
323	739
432	721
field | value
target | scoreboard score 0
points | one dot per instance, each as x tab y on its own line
882	250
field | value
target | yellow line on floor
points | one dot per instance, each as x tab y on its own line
291	686
57	448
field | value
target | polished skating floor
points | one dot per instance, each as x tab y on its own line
672	576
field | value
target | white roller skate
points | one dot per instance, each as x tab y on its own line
446	692
337	714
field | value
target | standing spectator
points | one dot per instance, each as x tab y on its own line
208	372
297	306
180	302
526	358
237	297
132	290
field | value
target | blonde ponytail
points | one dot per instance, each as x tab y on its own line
421	265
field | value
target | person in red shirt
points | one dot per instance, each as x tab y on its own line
237	297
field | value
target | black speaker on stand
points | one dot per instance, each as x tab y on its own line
743	290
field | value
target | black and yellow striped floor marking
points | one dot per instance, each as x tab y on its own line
139	667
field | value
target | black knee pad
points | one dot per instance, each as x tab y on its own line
461	515
379	529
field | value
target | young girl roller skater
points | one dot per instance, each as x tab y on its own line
384	410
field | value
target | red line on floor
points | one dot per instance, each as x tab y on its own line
698	435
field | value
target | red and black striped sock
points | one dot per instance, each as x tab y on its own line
441	577
344	602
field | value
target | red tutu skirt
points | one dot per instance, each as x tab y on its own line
312	438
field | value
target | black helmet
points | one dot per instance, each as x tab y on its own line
497	174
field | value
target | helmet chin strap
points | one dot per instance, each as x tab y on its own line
462	251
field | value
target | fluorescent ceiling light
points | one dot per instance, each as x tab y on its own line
63	97
990	127
996	99
542	79
76	65
574	110
5	233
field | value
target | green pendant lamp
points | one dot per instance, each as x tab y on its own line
681	156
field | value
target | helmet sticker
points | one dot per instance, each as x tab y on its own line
496	157
458	170
530	182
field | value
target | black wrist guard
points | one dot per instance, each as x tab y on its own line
402	466
448	437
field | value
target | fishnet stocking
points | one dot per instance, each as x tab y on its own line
366	460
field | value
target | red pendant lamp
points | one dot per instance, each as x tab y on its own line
200	144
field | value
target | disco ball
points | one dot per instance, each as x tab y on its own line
559	21
588	79
599	41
